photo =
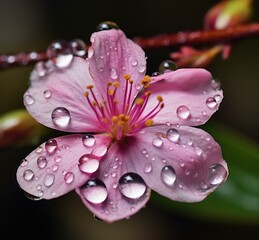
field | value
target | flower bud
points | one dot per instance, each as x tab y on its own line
191	57
228	13
18	128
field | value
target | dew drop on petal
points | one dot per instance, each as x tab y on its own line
28	99
51	146
28	175
48	179
24	163
211	102
47	94
215	84
78	47
141	68
57	159
148	168
167	65
107	25
69	177
183	112
90	52
61	117
168	175
113	74
100	151
41	162
88	140
157	142
94	191
217	174
88	164
173	135
131	185
32	197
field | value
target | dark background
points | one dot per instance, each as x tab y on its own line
27	25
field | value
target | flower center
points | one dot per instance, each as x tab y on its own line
125	120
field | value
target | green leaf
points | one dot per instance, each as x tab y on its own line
236	200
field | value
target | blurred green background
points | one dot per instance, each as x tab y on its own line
232	211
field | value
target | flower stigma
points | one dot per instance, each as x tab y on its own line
126	119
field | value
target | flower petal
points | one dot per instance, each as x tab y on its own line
53	168
115	191
183	164
62	90
190	96
111	56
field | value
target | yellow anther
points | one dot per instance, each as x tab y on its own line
104	102
139	101
149	122
94	104
122	116
86	94
130	81
109	84
147	78
121	123
162	105
89	86
127	76
115	119
146	85
116	84
110	92
159	98
148	93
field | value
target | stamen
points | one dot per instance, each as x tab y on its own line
149	122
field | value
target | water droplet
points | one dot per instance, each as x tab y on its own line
183	112
39	149
78	47
148	168
48	179
113	74
173	135
211	102
107	25
24	163
57	159
141	68
69	177
28	99
134	63
47	94
168	175
100	151
60	53
155	74
88	164
41	69
32	197
217	174
215	84
198	151
90	52
88	140
41	162
61	117
28	175
94	191
157	142
167	65
217	98
132	186
51	146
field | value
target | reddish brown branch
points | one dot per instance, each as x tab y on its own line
164	40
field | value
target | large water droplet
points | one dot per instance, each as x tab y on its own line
131	185
106	26
47	94
88	140
183	112
32	197
61	117
168	175
157	141
60	53
217	174
28	99
88	164
113	74
78	47
148	168
173	135
28	175
51	146
49	179
141	68
167	65
41	162
94	191
100	151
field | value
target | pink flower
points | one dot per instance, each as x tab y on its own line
133	133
